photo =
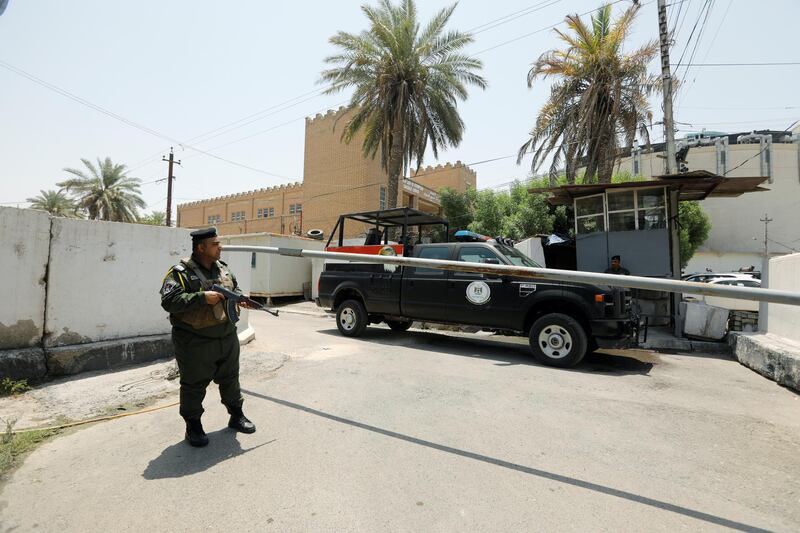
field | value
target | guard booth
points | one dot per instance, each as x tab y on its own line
638	221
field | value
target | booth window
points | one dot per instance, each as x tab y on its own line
651	209
589	214
633	209
621	210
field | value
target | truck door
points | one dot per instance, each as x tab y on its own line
424	290
479	299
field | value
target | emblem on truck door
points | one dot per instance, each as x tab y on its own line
478	292
525	289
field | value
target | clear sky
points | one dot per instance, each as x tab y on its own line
184	67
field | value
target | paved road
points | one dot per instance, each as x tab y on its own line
431	432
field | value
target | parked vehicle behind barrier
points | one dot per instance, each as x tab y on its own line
561	320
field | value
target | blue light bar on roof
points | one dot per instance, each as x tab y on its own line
470	236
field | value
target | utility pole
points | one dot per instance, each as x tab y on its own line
763	308
766	220
170	177
669	130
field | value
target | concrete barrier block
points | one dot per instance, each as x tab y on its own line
78	358
24	247
774	357
23	363
705	321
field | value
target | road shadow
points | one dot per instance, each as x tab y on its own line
180	459
552	476
505	352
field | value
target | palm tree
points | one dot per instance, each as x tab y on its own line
599	98
407	82
106	193
156	218
57	203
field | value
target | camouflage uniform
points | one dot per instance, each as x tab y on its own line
206	343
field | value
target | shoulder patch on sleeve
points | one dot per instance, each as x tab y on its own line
168	286
179	267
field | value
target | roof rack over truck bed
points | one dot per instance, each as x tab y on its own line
381	221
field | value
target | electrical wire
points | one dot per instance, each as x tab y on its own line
763	64
124	120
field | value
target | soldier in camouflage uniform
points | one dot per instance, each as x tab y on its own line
206	343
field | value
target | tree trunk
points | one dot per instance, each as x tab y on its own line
395	165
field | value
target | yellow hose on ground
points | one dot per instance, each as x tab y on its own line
98	419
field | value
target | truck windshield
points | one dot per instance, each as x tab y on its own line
517	257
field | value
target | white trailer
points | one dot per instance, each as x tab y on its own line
275	275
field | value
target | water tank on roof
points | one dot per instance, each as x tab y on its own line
750	138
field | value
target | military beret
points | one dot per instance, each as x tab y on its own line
202	234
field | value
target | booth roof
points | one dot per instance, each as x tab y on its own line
694	185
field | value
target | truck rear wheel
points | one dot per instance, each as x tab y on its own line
351	318
398	325
558	340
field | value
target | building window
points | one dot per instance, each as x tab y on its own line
265	212
214	219
295	209
382	202
237	216
589	217
260	213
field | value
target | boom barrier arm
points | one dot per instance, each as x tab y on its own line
576	276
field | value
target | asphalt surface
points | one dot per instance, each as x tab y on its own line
426	431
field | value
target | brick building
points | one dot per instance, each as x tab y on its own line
337	179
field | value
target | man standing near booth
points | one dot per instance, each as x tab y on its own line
205	340
616	267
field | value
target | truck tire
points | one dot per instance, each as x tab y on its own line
398	325
558	340
351	318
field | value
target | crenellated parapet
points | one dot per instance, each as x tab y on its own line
285	187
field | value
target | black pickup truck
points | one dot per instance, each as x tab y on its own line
562	320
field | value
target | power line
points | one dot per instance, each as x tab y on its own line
515	39
762	64
122	119
318	92
527	11
510	17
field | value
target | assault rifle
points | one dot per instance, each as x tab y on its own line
232	299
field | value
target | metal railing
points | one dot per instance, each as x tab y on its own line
632	282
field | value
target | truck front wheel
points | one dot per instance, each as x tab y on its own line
558	340
351	318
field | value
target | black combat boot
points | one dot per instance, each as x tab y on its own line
239	422
195	435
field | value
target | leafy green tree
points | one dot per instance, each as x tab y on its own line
105	192
599	98
156	218
407	81
456	208
694	229
57	203
516	213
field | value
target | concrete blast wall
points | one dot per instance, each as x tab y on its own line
104	280
24	243
784	274
84	294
